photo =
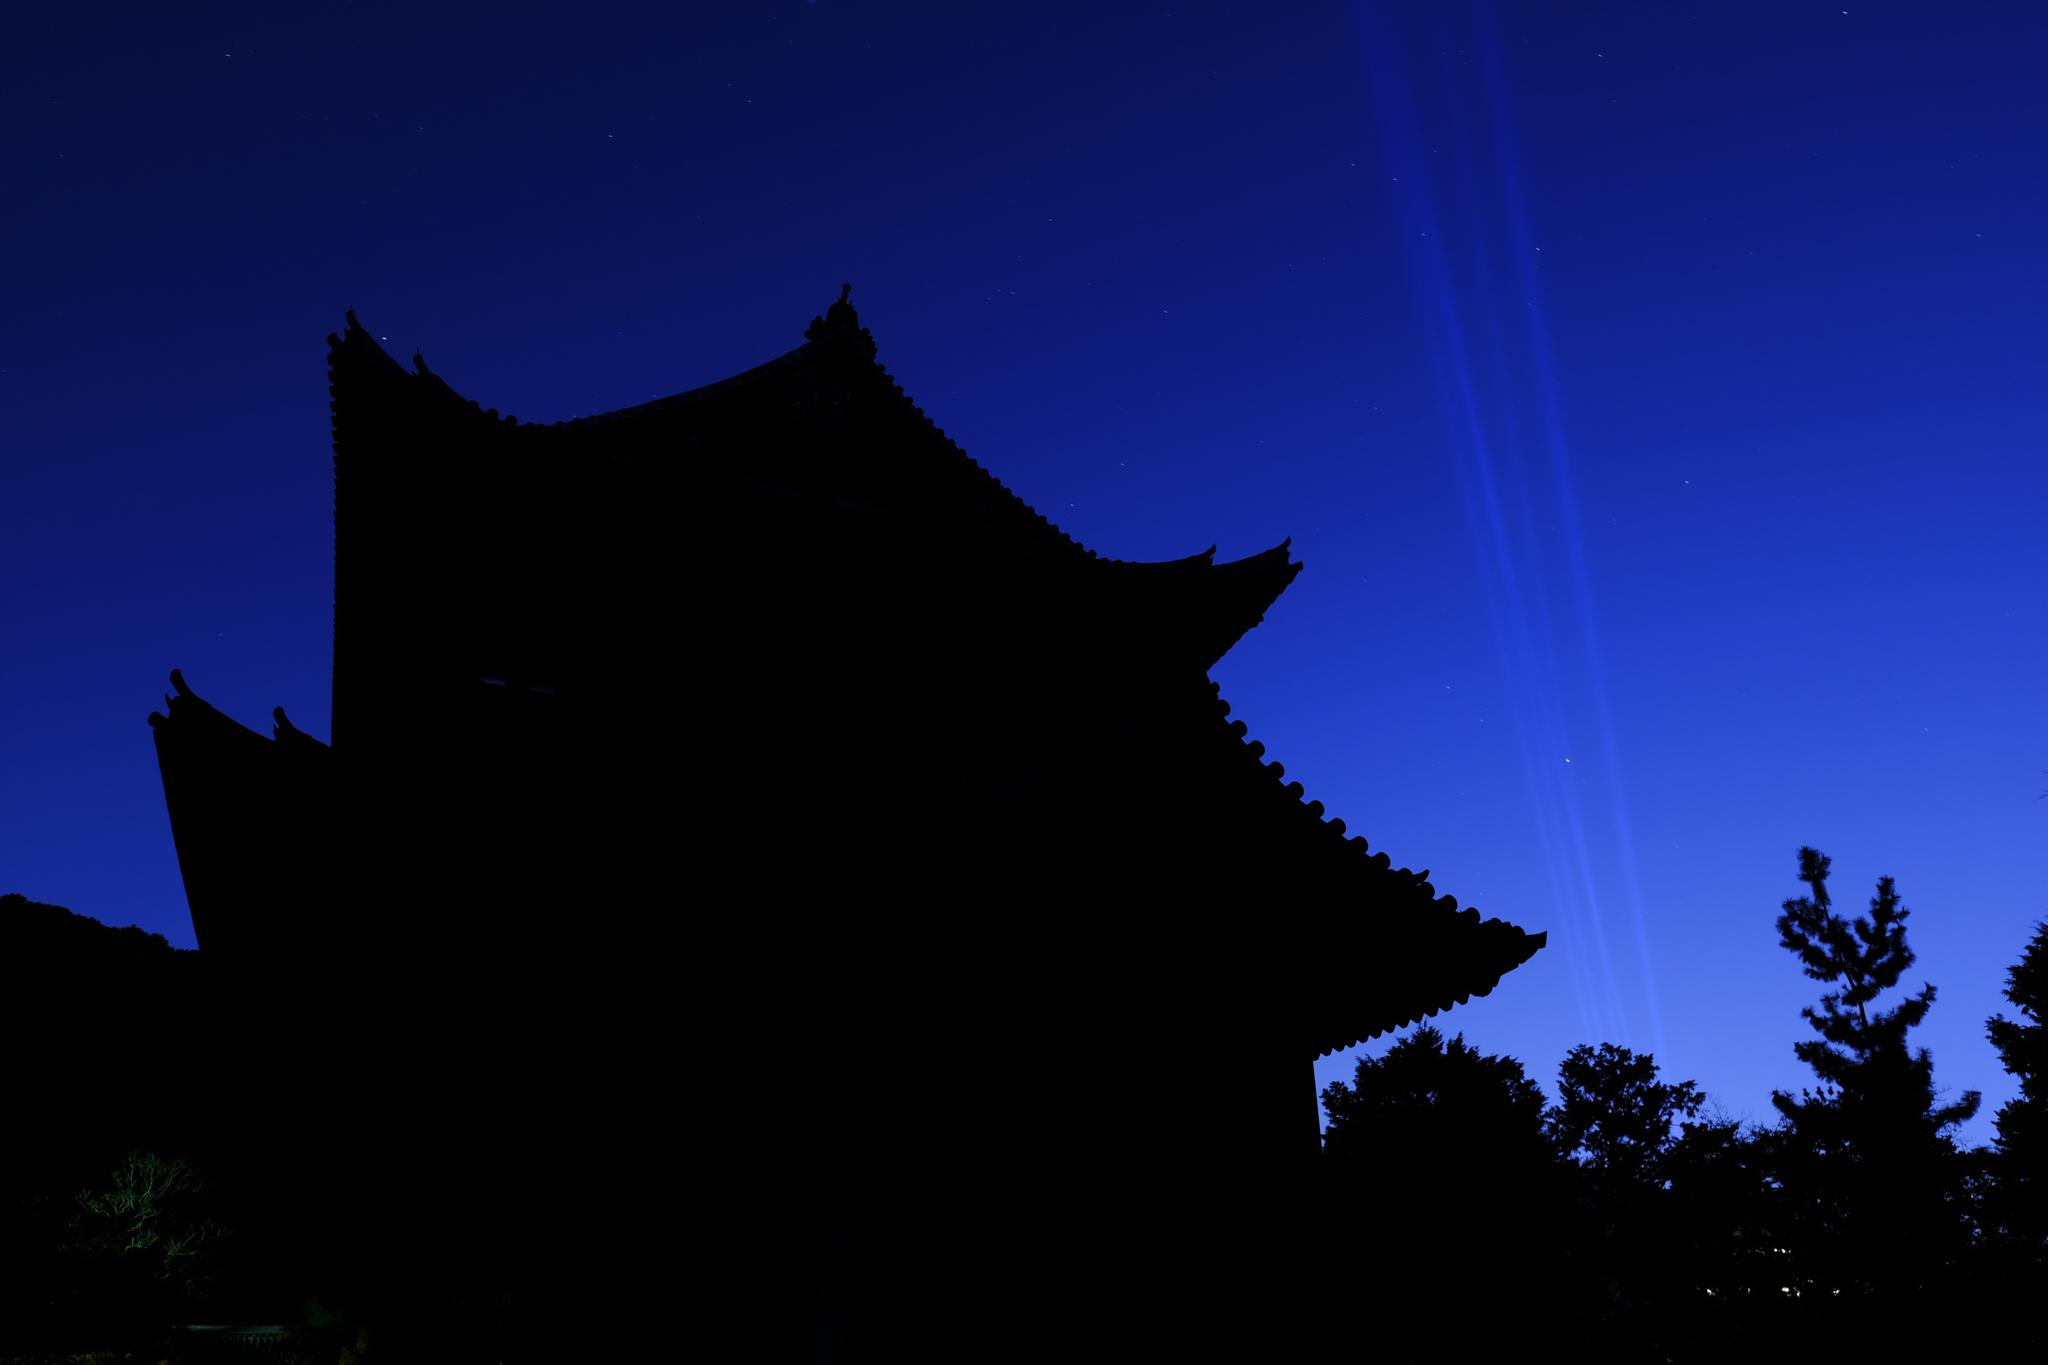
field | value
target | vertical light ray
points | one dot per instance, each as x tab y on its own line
1521	240
1465	223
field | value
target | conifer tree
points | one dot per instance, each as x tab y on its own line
1862	1060
2022	1122
1875	1193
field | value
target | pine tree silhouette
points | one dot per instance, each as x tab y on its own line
1862	1062
2020	1200
1875	1194
2023	1049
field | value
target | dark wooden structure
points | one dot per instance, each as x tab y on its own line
835	901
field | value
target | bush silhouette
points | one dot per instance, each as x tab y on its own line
1447	1190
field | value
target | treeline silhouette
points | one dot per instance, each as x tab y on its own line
1628	1222
1459	1215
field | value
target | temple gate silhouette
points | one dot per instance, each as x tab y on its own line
768	881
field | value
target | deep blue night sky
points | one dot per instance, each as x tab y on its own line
1151	265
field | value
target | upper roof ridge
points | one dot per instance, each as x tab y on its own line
837	330
840	317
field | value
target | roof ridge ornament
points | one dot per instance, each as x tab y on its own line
840	317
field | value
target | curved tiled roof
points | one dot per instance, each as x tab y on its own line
911	476
843	436
1389	950
836	339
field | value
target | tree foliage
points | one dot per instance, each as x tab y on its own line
1441	1178
1871	1206
2019	1203
148	1213
2022	1044
1636	1226
1433	1097
1614	1116
1861	1057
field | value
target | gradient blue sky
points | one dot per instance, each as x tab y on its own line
1147	264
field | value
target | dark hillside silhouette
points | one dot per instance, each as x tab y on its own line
742	780
111	1045
117	1095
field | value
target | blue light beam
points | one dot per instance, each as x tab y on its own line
1440	101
